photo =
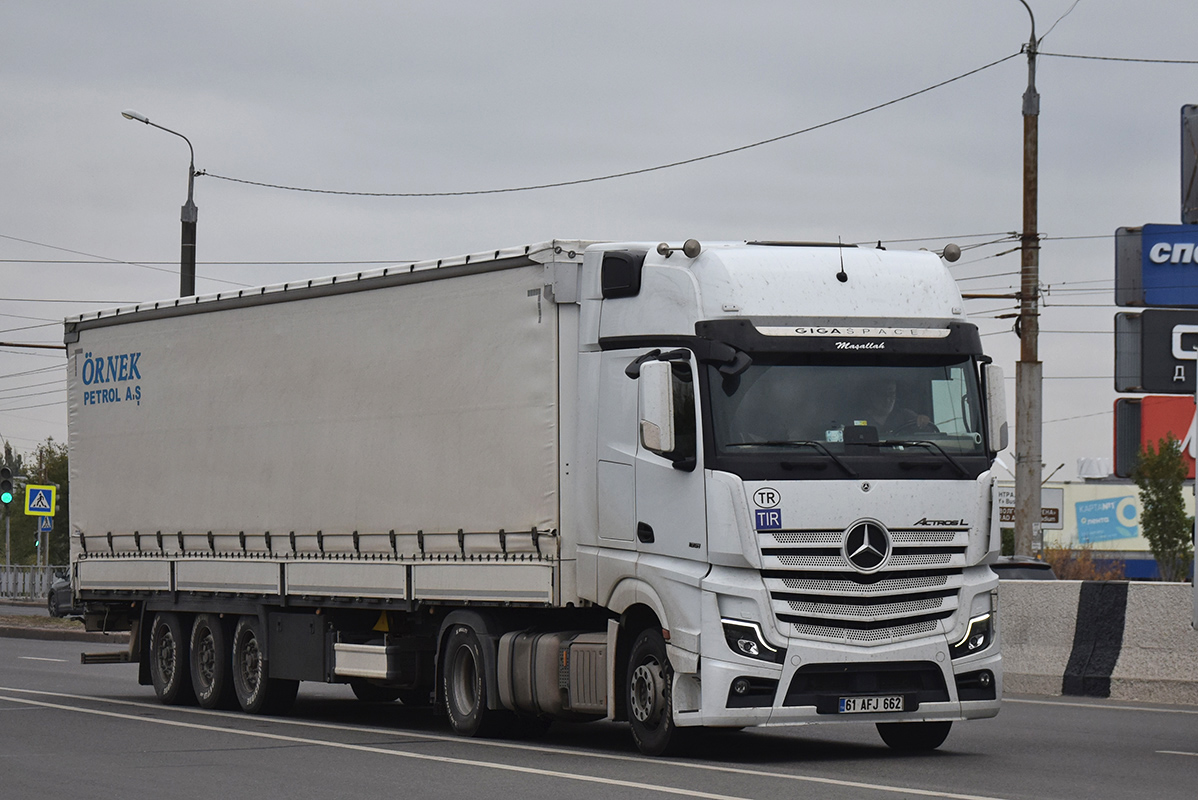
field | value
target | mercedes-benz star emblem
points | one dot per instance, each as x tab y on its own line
867	546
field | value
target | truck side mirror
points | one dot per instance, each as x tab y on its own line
996	407
657	407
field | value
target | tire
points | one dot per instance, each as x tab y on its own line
911	737
464	682
52	605
211	663
170	670
257	692
369	692
647	692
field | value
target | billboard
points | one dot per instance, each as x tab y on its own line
1157	265
1147	420
1156	351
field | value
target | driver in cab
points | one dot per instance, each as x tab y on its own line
881	411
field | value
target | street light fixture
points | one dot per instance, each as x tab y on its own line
188	216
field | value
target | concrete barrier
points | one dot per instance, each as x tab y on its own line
1125	641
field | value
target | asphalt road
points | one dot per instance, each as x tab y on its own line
93	732
23	609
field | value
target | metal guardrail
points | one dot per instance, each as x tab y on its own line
26	582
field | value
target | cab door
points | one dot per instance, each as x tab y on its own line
671	507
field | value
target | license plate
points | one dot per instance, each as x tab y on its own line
867	705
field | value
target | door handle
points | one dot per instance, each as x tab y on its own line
644	533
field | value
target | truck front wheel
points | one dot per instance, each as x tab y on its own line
257	692
211	662
168	661
914	736
650	708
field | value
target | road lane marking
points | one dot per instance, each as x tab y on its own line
36	658
1175	753
1073	704
469	762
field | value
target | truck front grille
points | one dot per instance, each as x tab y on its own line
815	589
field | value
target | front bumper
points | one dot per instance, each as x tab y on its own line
805	684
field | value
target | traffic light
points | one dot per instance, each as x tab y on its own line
5	485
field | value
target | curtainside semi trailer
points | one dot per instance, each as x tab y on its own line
728	484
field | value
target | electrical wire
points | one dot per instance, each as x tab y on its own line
31	372
1112	58
46	300
1079	416
115	260
1058	22
31	386
35	353
31	327
41	405
627	173
389	261
32	394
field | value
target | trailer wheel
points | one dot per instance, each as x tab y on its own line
168	661
647	689
211	663
257	692
465	687
914	736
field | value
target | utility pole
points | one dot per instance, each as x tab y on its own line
1029	373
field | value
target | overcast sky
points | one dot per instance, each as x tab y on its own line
459	96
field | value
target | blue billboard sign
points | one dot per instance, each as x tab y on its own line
1107	519
1169	258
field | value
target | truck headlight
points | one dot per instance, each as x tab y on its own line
746	639
978	636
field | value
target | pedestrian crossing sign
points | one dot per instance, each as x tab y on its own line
39	500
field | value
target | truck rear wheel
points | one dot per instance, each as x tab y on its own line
211	663
650	706
914	736
168	661
465	687
257	692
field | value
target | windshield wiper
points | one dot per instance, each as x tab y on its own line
921	443
797	443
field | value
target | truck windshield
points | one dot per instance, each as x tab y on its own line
903	419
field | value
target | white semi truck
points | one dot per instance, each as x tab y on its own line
725	485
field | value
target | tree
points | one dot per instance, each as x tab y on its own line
1160	476
46	465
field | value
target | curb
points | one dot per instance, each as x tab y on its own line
51	634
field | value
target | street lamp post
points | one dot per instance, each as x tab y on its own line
188	216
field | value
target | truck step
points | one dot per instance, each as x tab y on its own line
121	657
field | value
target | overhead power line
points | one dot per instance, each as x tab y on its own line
1112	58
31	372
387	261
114	260
48	300
627	173
34	346
1081	416
40	405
